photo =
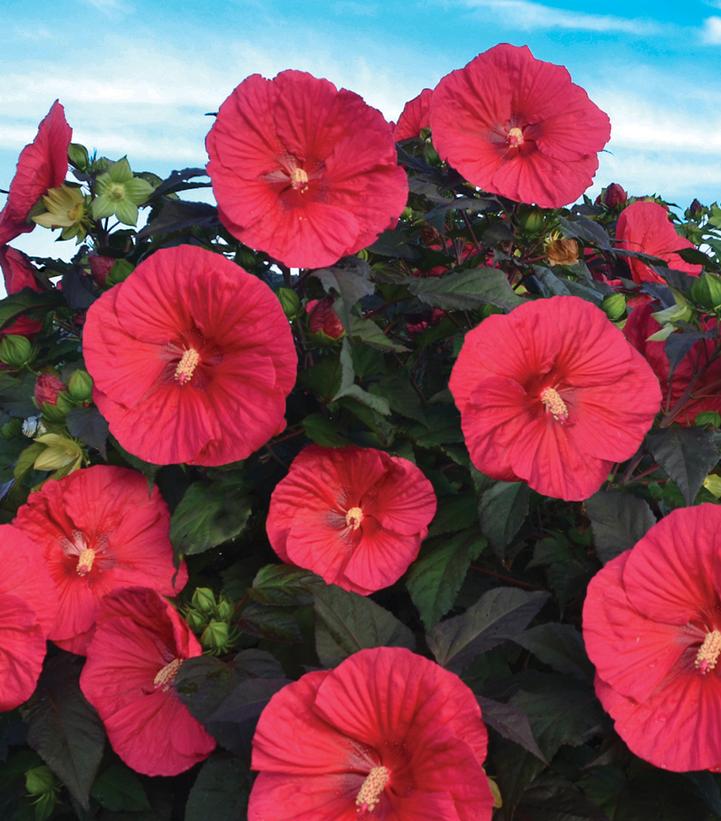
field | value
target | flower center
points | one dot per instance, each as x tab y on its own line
116	191
708	652
354	517
514	138
558	409
86	557
166	675
185	368
299	179
372	788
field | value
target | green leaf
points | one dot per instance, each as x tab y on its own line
465	290
560	646
321	430
618	521
350	281
500	614
26	300
63	728
16	395
348	388
365	330
120	790
502	510
208	515
220	791
686	454
346	623
282	585
511	723
435	579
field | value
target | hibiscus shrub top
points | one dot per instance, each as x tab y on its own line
387	486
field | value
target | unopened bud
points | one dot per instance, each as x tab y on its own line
706	291
215	636
15	351
614	196
225	610
323	320
203	600
531	219
80	386
712	483
708	419
48	387
78	156
289	301
614	306
39	780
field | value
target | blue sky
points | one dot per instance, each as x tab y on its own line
138	76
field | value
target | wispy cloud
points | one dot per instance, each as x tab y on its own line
110	7
528	16
711	31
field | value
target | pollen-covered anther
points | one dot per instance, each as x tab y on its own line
185	368
558	409
299	179
166	675
86	557
369	795
354	517
708	652
514	138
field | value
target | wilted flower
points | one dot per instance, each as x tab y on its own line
64	208
561	250
322	318
48	386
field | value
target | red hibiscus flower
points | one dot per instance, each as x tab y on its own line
192	359
42	165
27	610
552	394
355	516
519	127
139	645
695	385
18	273
303	171
652	628
99	529
646	228
386	734
322	319
416	115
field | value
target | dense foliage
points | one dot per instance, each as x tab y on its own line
491	587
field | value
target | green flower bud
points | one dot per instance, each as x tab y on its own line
710	419
60	453
290	302
80	386
215	636
39	780
712	483
706	291
225	610
614	306
78	156
531	219
196	621
15	351
203	600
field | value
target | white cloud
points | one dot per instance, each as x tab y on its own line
528	16
111	8
711	31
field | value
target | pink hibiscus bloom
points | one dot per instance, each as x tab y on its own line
387	734
416	115
303	171
42	165
99	529
646	228
355	516
139	645
518	127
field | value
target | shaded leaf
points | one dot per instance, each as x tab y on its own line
686	454
206	517
26	300
16	395
178	215
500	614
220	792
346	623
283	585
502	510
511	723
119	789
87	425
365	330
63	728
464	290
618	521
560	646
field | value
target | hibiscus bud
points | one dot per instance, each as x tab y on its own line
78	156
290	302
100	268
614	196
48	387
15	351
561	251
695	210
60	453
215	637
323	320
531	219
710	419
80	386
39	780
614	306
196	621
706	291
225	610
203	600
712	483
